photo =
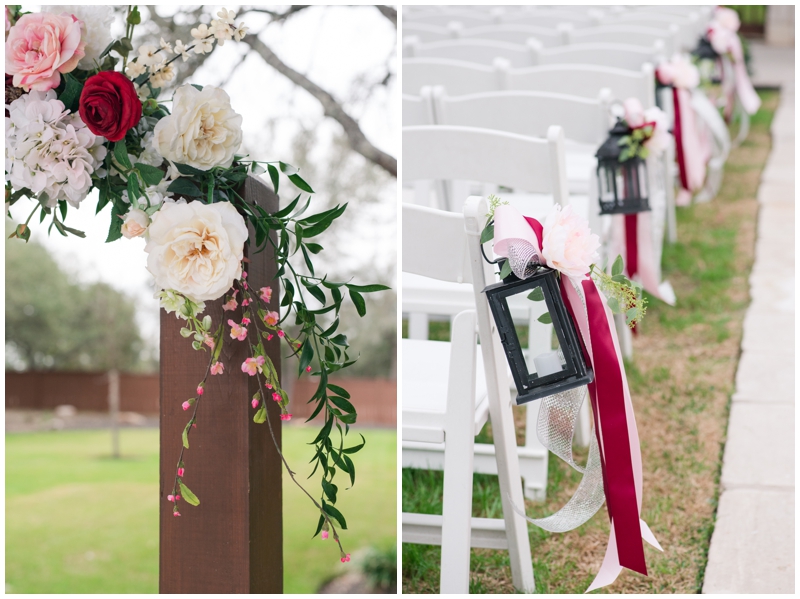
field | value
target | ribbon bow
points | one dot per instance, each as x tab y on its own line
614	468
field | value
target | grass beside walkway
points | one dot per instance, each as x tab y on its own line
681	381
79	522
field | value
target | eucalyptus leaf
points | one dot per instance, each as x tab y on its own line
537	295
617	267
545	318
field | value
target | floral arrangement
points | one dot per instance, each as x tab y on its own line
649	131
570	248
84	112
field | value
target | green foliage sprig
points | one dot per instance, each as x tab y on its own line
633	144
624	296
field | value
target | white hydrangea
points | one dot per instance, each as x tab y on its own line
49	150
96	30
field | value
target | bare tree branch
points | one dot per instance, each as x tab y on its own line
388	12
358	141
278	16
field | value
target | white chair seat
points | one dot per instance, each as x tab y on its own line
424	398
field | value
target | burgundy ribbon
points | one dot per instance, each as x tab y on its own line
608	406
679	140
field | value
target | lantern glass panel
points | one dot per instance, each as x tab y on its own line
539	363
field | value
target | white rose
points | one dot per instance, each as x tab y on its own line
203	130
196	249
136	222
95	30
568	245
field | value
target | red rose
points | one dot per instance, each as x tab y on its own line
109	105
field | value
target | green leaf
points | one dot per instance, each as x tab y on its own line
348	418
121	154
184	187
62	206
329	331
185	435
351	469
335	514
356	448
150	174
283	212
505	270
261	415
368	288
342	404
338	390
115	229
631	314
75	232
276	178
617	267
340	340
134	191
187	495
317	293
300	183
545	318
537	295
310	266
103	200
358	301
306	355
72	92
185	169
614	305
330	490
319	525
487	234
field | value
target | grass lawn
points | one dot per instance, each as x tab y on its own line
681	381
79	522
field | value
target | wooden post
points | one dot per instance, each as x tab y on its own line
233	541
113	410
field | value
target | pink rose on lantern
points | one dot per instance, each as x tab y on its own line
266	294
679	72
271	318
634	112
41	46
568	245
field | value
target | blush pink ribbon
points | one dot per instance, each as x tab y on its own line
615	425
726	41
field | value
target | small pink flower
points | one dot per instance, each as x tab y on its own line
176	513
270	336
277	397
209	341
231	304
217	368
271	318
171	498
237	332
244	284
245	321
194	425
268	386
252	365
245	302
308	368
186	405
266	294
180	471
177	497
286	417
244	274
297	345
254	403
346	558
200	389
324	534
281	334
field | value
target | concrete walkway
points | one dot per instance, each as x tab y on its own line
752	548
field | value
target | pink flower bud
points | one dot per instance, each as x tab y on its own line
170	498
269	337
254	403
178	514
347	558
244	284
281	334
245	302
244	274
200	389
194	425
180	471
177	497
268	386
324	534
308	368
245	321
276	396
286	417
186	405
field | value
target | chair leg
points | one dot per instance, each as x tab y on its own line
459	443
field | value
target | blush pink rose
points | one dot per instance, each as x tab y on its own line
634	112
727	18
568	245
41	46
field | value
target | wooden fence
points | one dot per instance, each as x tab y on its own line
375	399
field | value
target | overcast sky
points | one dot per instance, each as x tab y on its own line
332	46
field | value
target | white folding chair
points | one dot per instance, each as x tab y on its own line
478	51
513	33
620	56
628	34
690	26
549	17
443	405
443	16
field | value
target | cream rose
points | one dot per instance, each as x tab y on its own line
196	249
136	223
568	245
203	130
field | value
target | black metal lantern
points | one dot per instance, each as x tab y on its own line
621	185
707	60
549	372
